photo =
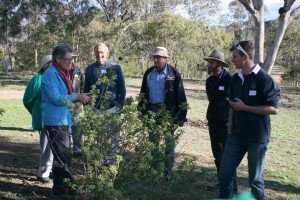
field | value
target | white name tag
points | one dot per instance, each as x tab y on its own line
76	75
103	71
221	87
252	92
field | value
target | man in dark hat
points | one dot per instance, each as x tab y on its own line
217	85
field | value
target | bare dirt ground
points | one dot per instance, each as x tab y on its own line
18	161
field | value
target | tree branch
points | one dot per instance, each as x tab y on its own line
295	13
248	4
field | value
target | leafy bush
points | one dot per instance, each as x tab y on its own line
118	158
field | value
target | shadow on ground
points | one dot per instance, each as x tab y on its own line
19	163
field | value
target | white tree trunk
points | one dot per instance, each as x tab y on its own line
284	21
277	39
256	9
259	35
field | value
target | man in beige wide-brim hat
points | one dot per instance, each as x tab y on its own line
162	85
217	86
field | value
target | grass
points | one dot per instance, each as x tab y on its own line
282	168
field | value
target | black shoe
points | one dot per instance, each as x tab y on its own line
168	175
56	191
43	179
51	175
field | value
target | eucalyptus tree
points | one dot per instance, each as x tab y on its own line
241	23
288	53
49	22
201	10
187	41
10	25
286	15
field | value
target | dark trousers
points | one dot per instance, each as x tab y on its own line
218	134
59	139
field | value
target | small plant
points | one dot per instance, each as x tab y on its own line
2	111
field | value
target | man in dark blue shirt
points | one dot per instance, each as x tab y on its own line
111	91
105	68
253	97
217	86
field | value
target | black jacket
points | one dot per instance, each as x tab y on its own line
174	93
217	91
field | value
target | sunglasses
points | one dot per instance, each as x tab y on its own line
239	47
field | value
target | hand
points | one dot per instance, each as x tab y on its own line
238	105
180	123
82	97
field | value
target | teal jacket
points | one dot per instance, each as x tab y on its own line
33	102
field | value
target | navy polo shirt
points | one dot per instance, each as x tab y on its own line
217	91
255	89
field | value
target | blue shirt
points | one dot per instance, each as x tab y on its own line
55	99
156	85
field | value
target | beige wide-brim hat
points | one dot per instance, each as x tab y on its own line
46	59
216	55
160	51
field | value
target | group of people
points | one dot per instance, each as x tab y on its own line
238	113
59	87
238	117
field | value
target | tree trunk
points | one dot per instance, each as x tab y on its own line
284	20
6	58
259	35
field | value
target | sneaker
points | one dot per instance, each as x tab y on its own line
43	179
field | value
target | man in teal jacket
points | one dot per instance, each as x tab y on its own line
32	102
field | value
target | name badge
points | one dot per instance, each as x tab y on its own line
76	75
103	71
221	88
252	92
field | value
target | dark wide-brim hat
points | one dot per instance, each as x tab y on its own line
216	55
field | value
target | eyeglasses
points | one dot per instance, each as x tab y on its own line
68	59
239	47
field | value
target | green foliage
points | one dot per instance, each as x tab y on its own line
119	159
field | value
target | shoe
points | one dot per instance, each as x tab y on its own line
77	150
168	175
56	191
51	175
43	179
213	187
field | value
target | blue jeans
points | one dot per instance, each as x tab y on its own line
232	157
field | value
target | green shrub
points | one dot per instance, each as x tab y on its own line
117	158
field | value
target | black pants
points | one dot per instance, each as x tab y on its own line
59	139
218	134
